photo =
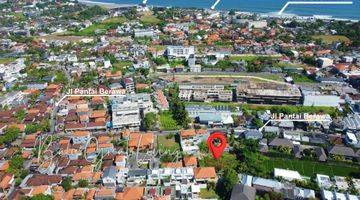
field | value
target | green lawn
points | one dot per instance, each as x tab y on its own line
164	141
103	26
301	78
167	122
6	60
331	38
114	20
122	64
249	57
149	20
208	194
309	168
231	105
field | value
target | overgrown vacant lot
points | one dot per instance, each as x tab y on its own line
6	60
309	168
168	142
167	122
332	38
150	19
103	26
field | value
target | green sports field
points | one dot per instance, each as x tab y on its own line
309	168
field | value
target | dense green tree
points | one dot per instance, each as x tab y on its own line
149	121
66	183
20	115
83	183
40	197
10	134
16	162
226	184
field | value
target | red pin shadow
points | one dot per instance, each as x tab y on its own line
217	149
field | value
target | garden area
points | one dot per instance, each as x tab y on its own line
208	194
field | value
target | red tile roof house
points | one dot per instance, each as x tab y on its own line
205	174
161	100
7	180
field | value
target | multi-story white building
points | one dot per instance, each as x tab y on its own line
144	33
127	110
129	85
179	51
125	114
171	174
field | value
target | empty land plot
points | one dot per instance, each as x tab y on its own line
167	142
167	122
149	19
309	168
332	38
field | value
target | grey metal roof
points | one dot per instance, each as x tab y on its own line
352	122
243	192
281	142
110	172
137	172
344	151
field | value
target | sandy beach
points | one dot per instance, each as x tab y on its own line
104	4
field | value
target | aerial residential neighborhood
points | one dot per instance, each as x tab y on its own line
119	101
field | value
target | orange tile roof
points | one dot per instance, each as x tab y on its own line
111	74
53	86
119	158
141	86
147	139
5	181
91	150
190	161
82	110
58	193
173	164
201	131
31	137
103	139
5	166
204	173
79	192
90	194
97	99
96	177
81	133
39	189
26	154
70	151
82	176
341	66
69	194
187	133
98	113
131	193
126	133
105	192
87	168
100	120
105	145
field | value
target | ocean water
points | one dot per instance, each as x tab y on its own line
261	6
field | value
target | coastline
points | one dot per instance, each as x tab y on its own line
105	4
261	14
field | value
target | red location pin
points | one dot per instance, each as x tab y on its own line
217	149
